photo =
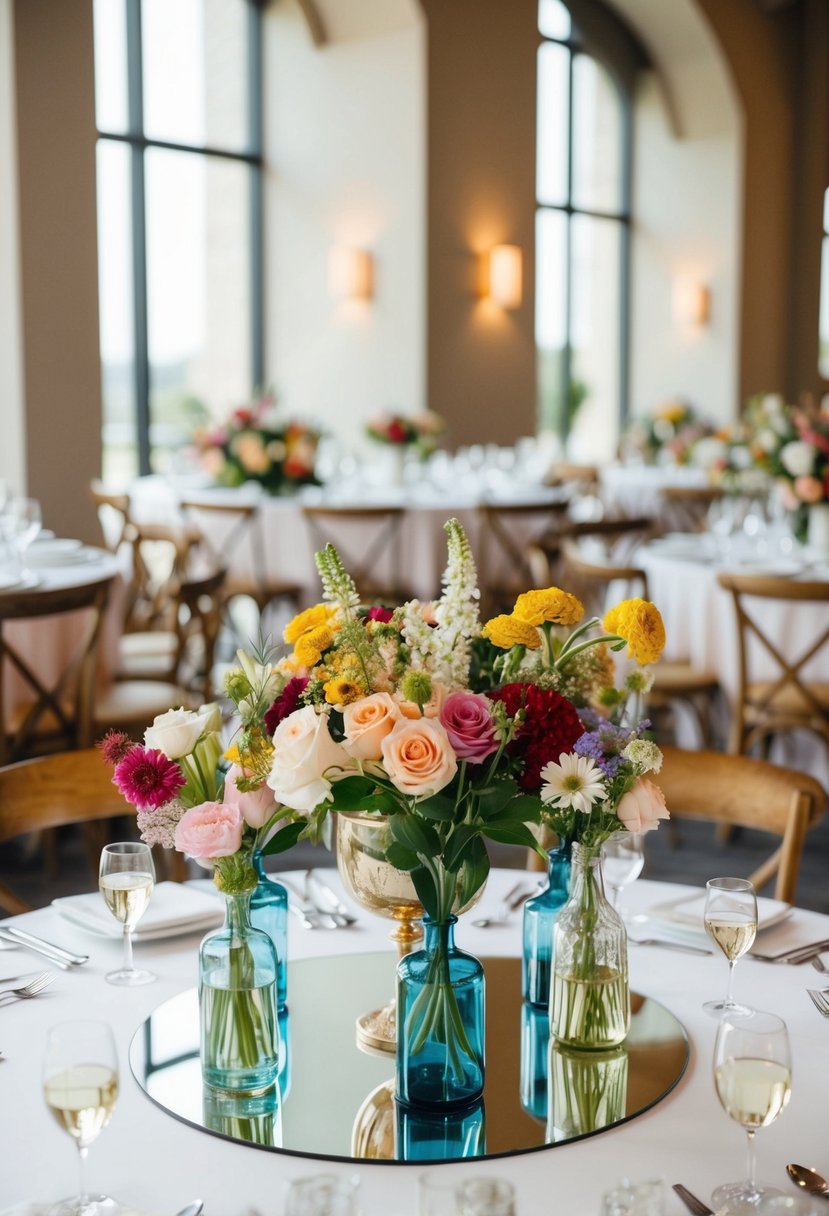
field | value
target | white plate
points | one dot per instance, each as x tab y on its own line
54	544
44	559
174	909
9	580
688	912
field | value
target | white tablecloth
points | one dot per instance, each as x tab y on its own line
637	489
156	1164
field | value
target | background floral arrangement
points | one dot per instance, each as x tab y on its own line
255	445
420	431
668	436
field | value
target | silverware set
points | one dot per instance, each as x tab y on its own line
805	1179
33	988
513	900
56	954
315	904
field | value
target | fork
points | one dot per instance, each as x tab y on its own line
33	988
819	1001
819	965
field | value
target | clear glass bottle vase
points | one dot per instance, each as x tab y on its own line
590	996
540	916
440	1022
269	912
237	1004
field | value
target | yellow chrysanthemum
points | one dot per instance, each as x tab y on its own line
508	631
311	644
232	754
340	691
310	618
550	604
674	411
640	624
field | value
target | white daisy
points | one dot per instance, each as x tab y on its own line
577	782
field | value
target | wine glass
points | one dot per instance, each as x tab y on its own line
125	879
752	1076
322	1195
731	920
80	1083
622	861
24	522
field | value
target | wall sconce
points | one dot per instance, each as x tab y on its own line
691	302
505	276
350	273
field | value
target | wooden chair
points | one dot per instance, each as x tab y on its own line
685	508
740	791
615	537
368	541
505	533
787	700
51	791
674	680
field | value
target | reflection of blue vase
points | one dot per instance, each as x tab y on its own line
440	1022
432	1135
283	1077
540	915
269	912
535	1060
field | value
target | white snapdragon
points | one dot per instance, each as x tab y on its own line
457	610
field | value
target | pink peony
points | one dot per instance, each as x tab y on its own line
210	830
147	778
468	720
256	806
641	808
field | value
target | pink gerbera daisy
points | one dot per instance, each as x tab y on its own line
147	778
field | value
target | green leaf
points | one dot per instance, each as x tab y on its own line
495	796
425	888
414	835
474	871
284	839
438	807
383	802
400	858
508	832
350	793
524	808
459	841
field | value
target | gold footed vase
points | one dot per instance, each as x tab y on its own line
362	841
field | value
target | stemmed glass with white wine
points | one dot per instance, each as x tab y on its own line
126	878
80	1083
731	920
622	861
753	1078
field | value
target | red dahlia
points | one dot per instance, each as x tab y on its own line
551	726
285	703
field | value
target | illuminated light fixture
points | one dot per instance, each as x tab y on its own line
691	302
505	275
350	273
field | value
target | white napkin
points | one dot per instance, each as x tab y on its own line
173	909
690	912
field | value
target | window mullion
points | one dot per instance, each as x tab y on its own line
141	356
255	135
567	352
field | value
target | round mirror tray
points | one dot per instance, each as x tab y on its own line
333	1099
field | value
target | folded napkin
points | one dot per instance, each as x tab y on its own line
173	909
689	912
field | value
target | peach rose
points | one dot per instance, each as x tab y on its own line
431	708
256	806
641	808
210	830
418	757
366	724
808	489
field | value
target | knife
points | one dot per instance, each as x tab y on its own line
56	953
682	947
691	1202
327	900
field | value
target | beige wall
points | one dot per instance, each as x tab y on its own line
58	259
11	372
481	192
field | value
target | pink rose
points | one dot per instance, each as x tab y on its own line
808	489
467	717
418	757
787	496
256	806
210	830
641	808
431	708
366	724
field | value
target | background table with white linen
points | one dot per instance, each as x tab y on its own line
631	489
156	1164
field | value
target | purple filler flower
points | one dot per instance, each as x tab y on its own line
467	717
147	778
604	745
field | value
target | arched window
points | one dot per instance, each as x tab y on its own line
582	237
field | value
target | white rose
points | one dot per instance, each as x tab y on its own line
798	458
766	440
303	753
175	733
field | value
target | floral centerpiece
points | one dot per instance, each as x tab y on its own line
256	445
791	444
418	431
668	436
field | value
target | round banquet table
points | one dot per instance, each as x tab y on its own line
155	1164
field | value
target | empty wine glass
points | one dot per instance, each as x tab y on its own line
80	1084
731	920
126	878
322	1195
486	1197
752	1076
622	861
23	522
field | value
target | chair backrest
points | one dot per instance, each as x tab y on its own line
160	559
612	539
113	513
588	576
240	526
685	508
368	541
198	623
744	792
505	533
781	697
60	713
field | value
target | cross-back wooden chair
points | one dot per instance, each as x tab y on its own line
65	788
786	699
505	533
59	714
368	541
685	508
113	510
615	537
673	679
741	791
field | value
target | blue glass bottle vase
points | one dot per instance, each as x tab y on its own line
269	912
440	1135
535	1060
440	1022
237	1004
540	915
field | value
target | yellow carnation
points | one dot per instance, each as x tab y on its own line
508	631
311	618
640	624
341	691
311	644
551	604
